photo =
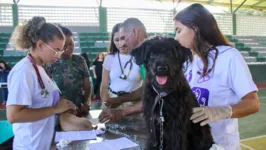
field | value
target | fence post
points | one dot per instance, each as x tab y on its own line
15	14
103	19
234	24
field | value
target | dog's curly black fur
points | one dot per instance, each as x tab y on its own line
164	56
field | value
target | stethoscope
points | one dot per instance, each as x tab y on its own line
123	76
44	92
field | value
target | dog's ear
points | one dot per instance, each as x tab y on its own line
182	54
139	54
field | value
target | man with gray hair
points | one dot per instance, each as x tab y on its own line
132	33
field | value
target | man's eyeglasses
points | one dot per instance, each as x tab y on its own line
57	53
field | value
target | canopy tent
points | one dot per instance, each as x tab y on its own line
233	4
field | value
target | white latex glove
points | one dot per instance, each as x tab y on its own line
216	147
63	143
206	115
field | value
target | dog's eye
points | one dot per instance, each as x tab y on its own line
152	55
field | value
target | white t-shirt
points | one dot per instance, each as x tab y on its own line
228	82
24	89
133	81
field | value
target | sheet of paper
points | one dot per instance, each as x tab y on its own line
75	135
121	143
116	144
99	132
100	146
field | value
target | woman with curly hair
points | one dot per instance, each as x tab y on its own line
33	99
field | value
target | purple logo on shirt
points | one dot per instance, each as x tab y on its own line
205	78
55	97
202	95
189	76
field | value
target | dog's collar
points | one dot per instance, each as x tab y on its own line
159	96
162	94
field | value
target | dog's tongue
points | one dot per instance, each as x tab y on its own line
161	79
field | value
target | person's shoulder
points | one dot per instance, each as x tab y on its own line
56	65
228	51
77	57
229	55
24	66
110	57
79	62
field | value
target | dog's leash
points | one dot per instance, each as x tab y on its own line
161	103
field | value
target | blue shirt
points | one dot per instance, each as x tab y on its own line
3	75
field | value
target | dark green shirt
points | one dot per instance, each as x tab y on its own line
69	76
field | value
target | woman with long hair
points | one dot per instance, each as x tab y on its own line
217	74
121	75
97	72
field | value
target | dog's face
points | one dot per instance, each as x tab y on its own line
163	58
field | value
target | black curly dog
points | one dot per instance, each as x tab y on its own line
163	58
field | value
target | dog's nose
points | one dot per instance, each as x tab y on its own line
162	68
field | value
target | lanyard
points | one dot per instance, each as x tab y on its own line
44	92
123	76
